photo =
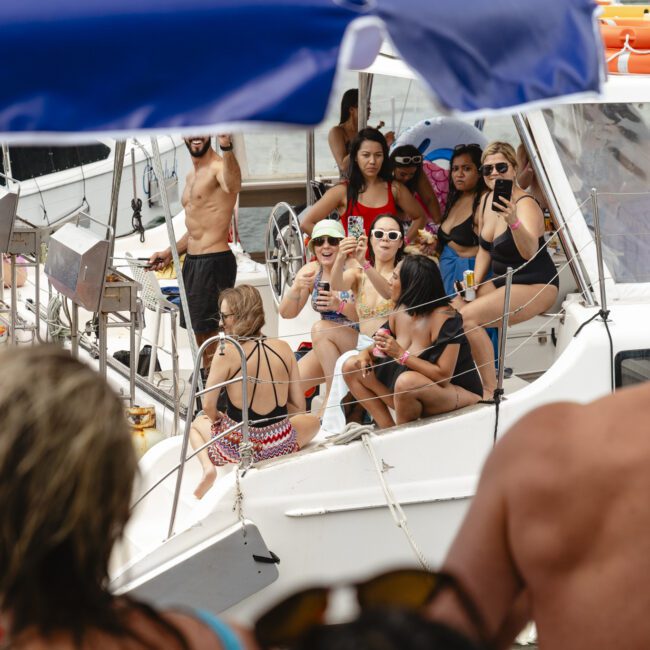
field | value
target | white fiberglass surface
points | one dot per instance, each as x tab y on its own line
606	146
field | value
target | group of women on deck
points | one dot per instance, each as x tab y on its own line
393	331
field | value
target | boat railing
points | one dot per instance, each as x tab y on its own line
245	447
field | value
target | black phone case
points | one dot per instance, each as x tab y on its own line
502	188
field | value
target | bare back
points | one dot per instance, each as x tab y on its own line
562	510
208	207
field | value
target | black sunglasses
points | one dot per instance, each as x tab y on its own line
407	160
501	167
471	145
393	235
409	589
332	241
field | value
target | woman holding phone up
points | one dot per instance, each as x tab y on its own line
512	235
369	189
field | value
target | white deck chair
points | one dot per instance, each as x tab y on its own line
153	299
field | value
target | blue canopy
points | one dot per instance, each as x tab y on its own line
129	65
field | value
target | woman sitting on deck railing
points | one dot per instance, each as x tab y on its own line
421	364
273	388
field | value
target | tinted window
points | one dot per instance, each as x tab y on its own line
632	367
32	162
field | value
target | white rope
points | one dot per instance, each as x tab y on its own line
396	510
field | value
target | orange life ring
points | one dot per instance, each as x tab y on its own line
615	36
628	62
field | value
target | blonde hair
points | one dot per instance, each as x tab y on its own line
505	149
245	304
67	467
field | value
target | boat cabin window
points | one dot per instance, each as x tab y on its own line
632	367
31	162
606	146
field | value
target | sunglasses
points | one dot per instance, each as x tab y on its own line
393	235
407	160
501	167
408	589
332	241
471	145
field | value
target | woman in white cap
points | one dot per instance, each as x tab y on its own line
336	331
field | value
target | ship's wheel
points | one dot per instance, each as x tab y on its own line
284	249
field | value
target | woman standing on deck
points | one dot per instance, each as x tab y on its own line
369	189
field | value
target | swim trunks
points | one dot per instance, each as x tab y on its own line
205	277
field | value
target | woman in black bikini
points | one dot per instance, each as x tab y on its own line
426	365
270	403
458	232
512	235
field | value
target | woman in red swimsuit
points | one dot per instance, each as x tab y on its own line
369	190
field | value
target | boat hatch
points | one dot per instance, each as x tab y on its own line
237	559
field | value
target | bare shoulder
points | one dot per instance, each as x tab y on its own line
201	637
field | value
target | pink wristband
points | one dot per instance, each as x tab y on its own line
341	306
366	266
515	225
402	360
407	241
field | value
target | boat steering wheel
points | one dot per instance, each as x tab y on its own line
284	249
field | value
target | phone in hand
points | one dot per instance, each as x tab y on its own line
460	288
355	226
323	286
502	189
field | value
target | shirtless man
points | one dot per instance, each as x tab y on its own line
209	198
559	529
527	180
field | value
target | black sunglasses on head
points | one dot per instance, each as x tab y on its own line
405	161
409	589
501	167
471	145
332	241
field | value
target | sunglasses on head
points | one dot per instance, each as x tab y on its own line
407	160
332	241
408	589
471	145
393	235
501	167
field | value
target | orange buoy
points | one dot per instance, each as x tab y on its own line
628	62
615	36
625	11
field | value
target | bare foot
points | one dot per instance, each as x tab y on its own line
206	482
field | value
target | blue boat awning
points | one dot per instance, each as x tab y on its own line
132	65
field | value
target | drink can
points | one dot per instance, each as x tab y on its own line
470	290
376	352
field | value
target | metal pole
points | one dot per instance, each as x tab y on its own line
6	161
158	170
118	166
311	166
504	329
14	299
365	89
172	317
74	333
564	234
599	250
245	447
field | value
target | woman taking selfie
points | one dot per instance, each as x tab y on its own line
369	189
512	235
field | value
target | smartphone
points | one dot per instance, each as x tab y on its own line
502	189
460	289
355	226
323	286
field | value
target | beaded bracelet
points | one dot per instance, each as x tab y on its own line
515	225
366	266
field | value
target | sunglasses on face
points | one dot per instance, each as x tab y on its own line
332	241
501	167
393	235
408	160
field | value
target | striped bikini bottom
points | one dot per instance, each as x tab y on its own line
277	439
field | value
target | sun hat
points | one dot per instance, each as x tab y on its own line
326	228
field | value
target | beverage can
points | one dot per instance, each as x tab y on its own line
470	290
376	352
